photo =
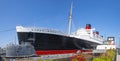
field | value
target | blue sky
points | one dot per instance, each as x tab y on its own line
103	15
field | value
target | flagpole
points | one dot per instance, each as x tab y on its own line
70	19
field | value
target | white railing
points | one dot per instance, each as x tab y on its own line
37	29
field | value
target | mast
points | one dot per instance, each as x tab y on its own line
70	19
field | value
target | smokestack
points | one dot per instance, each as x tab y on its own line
88	26
97	32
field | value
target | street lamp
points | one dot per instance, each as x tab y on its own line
119	42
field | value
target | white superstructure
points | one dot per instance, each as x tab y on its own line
88	34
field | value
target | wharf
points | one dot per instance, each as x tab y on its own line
68	58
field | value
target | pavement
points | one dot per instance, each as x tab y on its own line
118	55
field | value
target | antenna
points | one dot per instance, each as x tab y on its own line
15	41
70	19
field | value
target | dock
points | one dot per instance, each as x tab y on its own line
87	55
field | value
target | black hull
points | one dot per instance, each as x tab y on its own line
43	41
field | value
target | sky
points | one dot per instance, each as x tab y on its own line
103	15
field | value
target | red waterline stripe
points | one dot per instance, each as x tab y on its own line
46	52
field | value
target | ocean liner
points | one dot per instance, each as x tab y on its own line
51	41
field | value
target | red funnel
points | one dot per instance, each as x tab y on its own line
88	26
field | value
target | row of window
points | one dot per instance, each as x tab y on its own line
46	30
